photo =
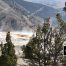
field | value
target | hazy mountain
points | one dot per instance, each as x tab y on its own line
33	8
20	14
14	18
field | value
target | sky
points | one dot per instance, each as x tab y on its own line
52	3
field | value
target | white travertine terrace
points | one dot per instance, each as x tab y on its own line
18	38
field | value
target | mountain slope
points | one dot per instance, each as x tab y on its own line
12	19
31	8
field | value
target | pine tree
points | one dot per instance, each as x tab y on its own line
63	31
43	49
32	50
39	44
8	53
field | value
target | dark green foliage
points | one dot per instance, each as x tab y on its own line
42	49
28	52
37	47
64	7
57	48
3	61
65	3
61	23
45	28
8	57
63	31
8	37
64	61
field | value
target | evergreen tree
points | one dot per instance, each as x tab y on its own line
8	53
64	7
62	28
39	46
43	49
61	23
32	50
